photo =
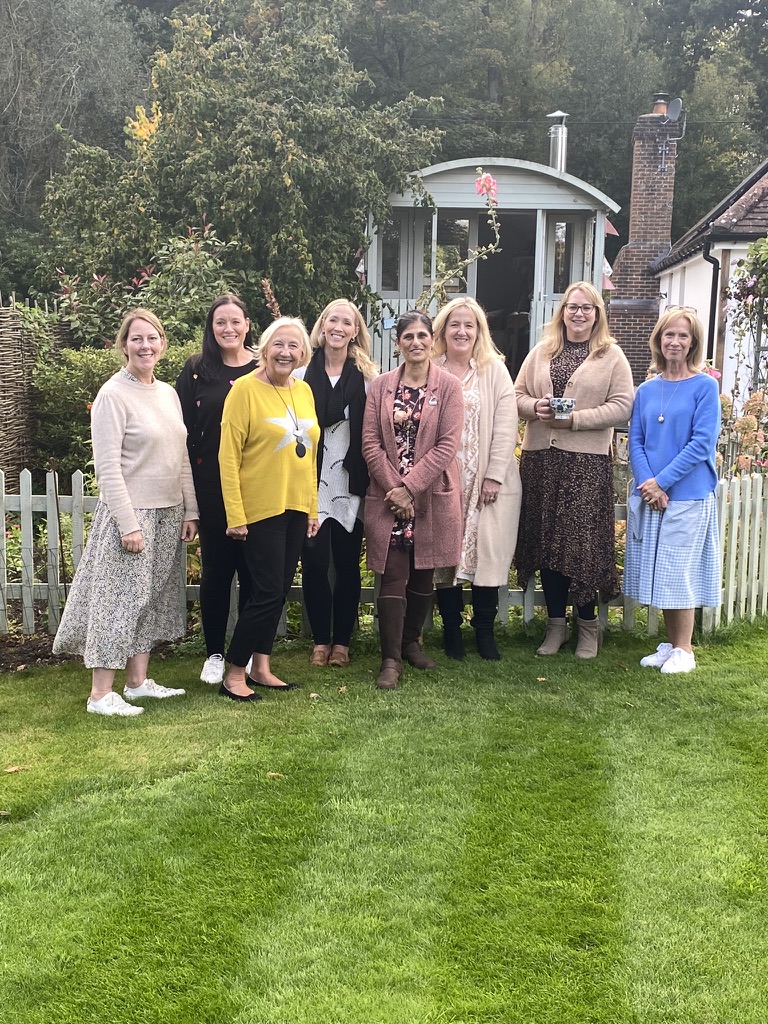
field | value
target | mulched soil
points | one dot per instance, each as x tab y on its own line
18	651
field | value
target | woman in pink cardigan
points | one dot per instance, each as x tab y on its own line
413	522
567	518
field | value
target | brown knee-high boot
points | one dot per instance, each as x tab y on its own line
416	611
391	619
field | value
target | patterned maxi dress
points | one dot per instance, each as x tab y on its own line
468	458
408	405
567	515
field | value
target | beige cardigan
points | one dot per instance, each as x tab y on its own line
603	389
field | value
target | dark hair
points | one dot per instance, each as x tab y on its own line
209	361
411	317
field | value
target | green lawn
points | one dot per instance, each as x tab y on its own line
540	841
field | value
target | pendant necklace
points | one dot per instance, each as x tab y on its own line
663	407
301	448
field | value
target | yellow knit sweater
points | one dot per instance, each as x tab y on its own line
261	473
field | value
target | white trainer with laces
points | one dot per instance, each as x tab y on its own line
213	670
679	661
149	688
111	704
659	656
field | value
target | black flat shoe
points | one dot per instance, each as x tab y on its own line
224	692
275	689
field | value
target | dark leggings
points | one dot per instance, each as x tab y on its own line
220	559
272	549
556	588
338	604
400	576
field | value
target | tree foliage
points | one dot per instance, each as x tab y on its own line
283	122
74	63
269	133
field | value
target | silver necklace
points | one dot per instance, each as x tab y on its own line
301	449
662	407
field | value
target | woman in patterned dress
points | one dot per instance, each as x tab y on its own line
125	595
567	517
490	478
202	387
338	373
673	545
413	524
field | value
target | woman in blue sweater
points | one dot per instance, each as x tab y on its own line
673	558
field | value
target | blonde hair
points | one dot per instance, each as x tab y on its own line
553	335
125	329
484	350
695	357
294	324
359	347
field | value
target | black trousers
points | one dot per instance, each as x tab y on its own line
332	611
220	559
556	588
272	550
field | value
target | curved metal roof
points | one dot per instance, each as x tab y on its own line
488	163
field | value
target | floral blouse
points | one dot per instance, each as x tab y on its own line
409	403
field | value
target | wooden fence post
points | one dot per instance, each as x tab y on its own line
27	552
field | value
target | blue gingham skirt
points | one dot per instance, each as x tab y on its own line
673	557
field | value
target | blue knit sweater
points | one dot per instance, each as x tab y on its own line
680	452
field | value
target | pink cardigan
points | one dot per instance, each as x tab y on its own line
434	479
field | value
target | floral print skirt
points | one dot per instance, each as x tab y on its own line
121	604
567	521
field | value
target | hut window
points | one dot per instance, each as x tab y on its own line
452	250
563	256
390	258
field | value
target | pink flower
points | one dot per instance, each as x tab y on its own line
713	372
486	185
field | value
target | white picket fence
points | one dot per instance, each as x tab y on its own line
743	521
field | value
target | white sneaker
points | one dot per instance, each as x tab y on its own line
679	661
657	659
149	688
111	704
213	670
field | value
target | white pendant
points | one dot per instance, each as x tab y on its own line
661	419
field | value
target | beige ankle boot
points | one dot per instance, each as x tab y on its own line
589	640
556	635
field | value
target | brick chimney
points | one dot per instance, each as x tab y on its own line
634	305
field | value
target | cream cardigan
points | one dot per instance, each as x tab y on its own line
498	522
140	450
603	389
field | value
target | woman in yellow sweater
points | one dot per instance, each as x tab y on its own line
268	460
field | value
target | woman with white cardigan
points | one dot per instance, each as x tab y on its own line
491	490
